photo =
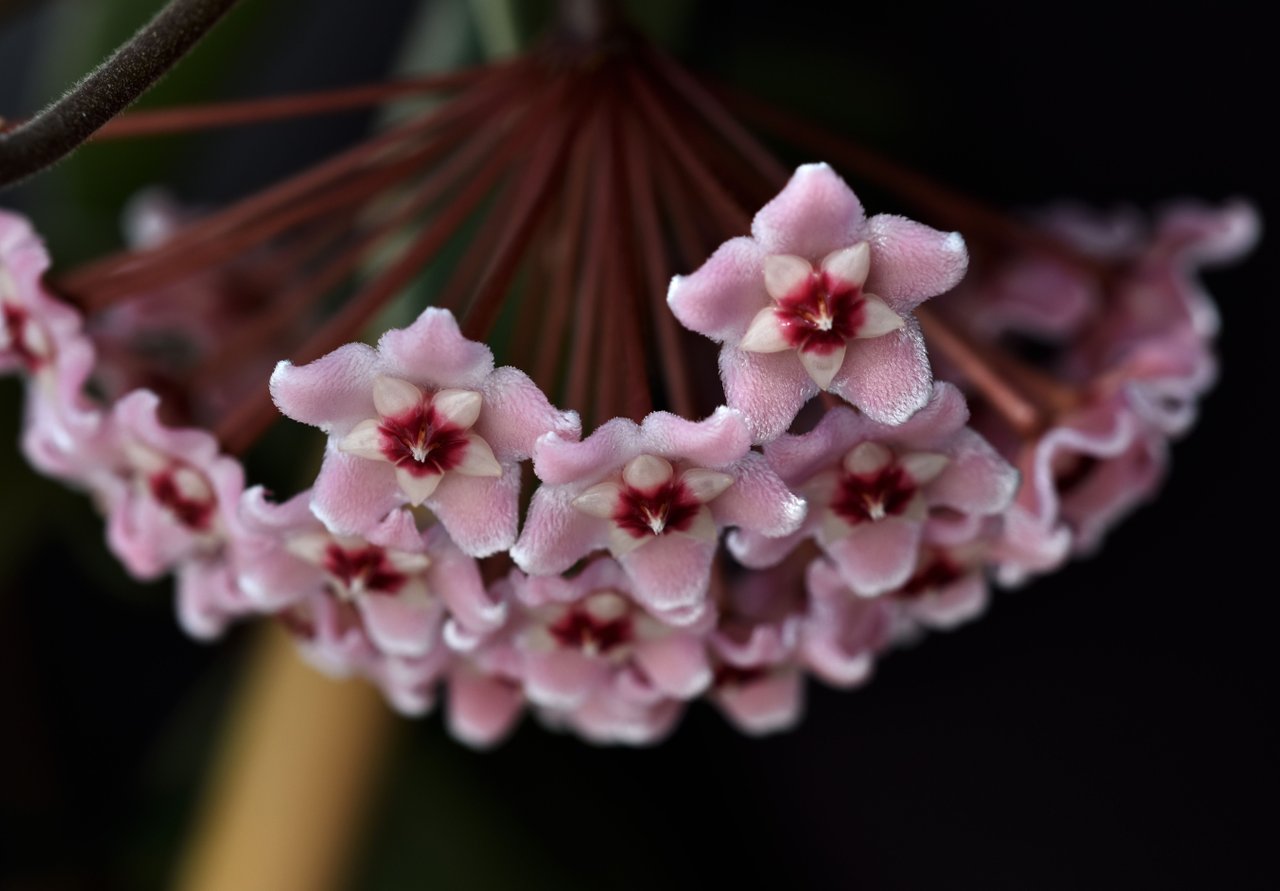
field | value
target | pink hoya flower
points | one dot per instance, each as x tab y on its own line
333	638
329	634
209	595
1081	476
33	325
948	586
842	634
42	337
876	491
760	699
172	495
576	634
422	419
410	685
485	691
405	584
820	298
1161	288
656	495
629	711
757	683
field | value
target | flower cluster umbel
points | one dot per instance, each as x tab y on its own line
856	497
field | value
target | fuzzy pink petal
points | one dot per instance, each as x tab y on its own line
796	459
515	413
352	495
887	377
671	572
271	583
877	557
768	388
480	512
756	551
207	598
609	719
1103	432
540	590
433	352
270	576
268	518
410	685
137	416
957	603
911	262
145	537
768	705
561	678
1028	546
556	534
676	664
978	480
724	295
842	633
758	500
399	626
1113	489
751	645
334	393
482	710
815	214
946	412
455	577
559	460
716	441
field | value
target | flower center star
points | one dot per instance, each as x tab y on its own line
816	312
652	501
20	335
363	570
933	574
599	626
873	483
423	436
355	567
182	490
186	494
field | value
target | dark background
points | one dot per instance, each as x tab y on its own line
1106	727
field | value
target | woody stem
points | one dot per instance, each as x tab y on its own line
109	89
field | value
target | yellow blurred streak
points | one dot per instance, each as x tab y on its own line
292	782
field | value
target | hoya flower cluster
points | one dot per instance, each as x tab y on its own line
865	478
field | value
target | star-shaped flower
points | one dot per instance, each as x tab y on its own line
656	495
576	634
820	298
64	433
424	418
876	492
407	585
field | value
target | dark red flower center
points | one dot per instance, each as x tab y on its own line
367	569
938	572
821	313
866	498
579	629
727	675
422	442
16	322
666	508
194	513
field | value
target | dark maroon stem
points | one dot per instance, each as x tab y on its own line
128	73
